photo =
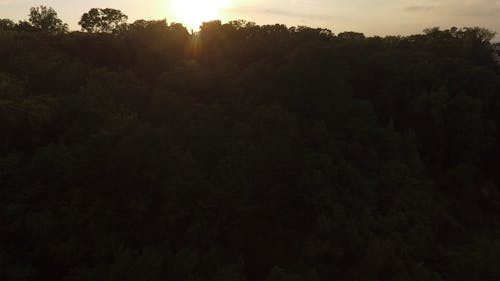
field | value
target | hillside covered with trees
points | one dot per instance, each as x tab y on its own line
141	151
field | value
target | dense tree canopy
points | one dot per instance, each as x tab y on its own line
247	152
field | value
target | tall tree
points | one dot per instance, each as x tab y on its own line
103	20
45	19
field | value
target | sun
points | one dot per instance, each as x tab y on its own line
194	12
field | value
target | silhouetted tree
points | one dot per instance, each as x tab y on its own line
46	20
351	35
25	26
103	20
6	24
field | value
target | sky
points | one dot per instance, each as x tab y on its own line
372	17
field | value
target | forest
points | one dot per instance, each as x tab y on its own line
242	152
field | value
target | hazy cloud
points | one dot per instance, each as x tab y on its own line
278	12
418	8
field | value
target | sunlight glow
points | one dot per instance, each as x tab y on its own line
192	13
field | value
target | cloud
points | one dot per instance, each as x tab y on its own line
294	14
480	9
279	12
464	8
418	8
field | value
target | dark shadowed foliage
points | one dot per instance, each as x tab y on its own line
243	152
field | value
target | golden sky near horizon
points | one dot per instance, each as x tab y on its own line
382	17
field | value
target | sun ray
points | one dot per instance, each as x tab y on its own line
193	12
